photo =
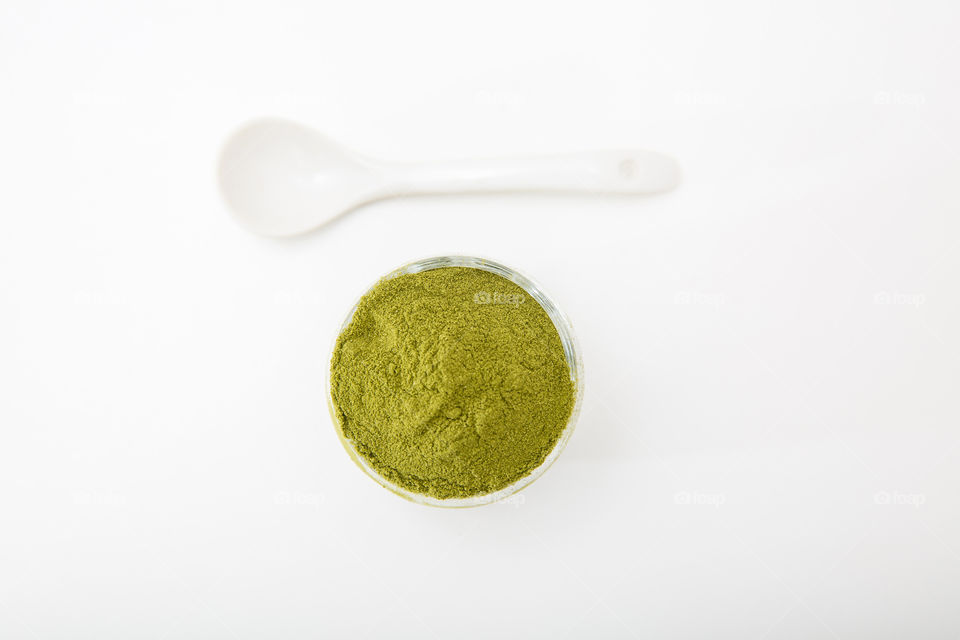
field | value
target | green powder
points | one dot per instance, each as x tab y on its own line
451	382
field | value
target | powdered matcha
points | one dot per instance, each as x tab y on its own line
451	382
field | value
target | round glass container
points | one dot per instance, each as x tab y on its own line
571	350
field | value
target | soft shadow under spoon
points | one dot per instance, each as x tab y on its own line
281	178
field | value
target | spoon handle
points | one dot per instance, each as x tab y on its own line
624	172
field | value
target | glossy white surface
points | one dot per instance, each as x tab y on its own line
768	446
281	178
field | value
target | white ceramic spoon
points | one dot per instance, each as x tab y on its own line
281	178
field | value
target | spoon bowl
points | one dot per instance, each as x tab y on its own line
280	178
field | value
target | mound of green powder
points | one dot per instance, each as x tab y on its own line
451	382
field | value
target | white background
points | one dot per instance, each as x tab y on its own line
769	444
